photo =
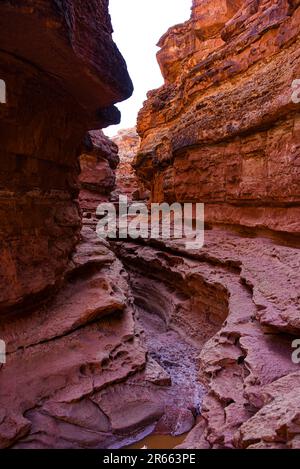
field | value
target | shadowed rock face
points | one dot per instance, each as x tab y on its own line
76	372
63	73
223	129
98	163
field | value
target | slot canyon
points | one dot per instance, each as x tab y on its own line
130	342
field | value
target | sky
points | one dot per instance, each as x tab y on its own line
138	26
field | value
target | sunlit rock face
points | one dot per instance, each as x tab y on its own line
223	129
62	74
127	182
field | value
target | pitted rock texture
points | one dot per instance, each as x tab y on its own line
80	371
215	298
85	377
127	182
223	129
69	355
63	73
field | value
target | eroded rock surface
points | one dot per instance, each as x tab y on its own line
223	129
127	182
98	163
63	73
61	356
62	351
215	298
87	368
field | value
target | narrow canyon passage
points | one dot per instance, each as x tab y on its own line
211	298
182	394
178	358
179	362
113	343
178	313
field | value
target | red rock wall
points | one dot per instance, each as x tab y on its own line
98	163
223	129
127	182
85	378
67	363
63	73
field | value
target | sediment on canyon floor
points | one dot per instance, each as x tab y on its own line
221	130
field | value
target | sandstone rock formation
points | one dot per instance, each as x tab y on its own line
127	182
223	130
98	163
61	354
85	339
77	371
214	299
63	73
148	336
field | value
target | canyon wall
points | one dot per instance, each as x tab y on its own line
98	163
63	73
127	182
77	372
153	337
223	129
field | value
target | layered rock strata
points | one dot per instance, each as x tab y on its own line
127	182
85	339
63	351
243	317
98	163
80	371
223	129
62	75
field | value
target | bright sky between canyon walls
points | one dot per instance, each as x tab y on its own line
138	26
